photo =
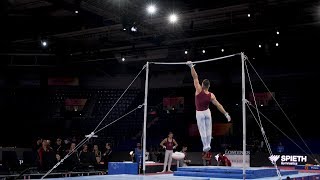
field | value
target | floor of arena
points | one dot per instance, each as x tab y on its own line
302	175
171	177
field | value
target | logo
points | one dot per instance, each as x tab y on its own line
293	159
236	158
274	158
236	152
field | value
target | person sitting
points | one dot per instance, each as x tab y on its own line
223	160
207	158
107	155
97	153
185	161
73	161
87	158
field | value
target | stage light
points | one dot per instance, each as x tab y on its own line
222	50
185	52
76	12
249	15
277	44
44	43
134	29
151	9
173	18
260	46
203	51
278	32
123	59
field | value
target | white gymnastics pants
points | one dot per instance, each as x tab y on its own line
167	156
204	122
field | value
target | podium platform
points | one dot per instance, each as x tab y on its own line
133	168
152	167
122	168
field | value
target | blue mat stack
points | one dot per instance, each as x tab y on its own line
229	172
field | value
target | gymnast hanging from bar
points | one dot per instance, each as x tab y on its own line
203	97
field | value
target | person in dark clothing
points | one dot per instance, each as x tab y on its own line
37	144
59	149
73	161
87	158
46	156
107	154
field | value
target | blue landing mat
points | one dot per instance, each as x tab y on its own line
229	172
132	177
300	176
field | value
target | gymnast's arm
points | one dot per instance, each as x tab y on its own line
217	104
195	78
175	143
162	143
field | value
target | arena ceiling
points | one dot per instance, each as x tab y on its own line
84	31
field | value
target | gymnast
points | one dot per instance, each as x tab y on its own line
203	97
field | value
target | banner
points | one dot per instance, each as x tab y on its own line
75	104
63	81
193	130
236	158
173	104
221	129
262	98
218	129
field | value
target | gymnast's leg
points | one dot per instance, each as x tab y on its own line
208	122
201	118
166	157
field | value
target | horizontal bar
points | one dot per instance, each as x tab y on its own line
195	62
